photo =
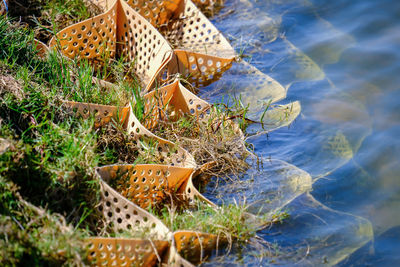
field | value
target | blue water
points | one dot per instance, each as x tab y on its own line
341	60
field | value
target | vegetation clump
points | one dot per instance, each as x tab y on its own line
227	221
217	140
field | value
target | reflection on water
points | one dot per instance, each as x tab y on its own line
341	61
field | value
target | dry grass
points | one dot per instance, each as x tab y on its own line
216	141
118	147
9	85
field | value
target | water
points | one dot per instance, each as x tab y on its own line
335	170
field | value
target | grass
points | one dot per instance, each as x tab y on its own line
116	146
49	17
216	139
227	221
29	234
49	164
48	189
